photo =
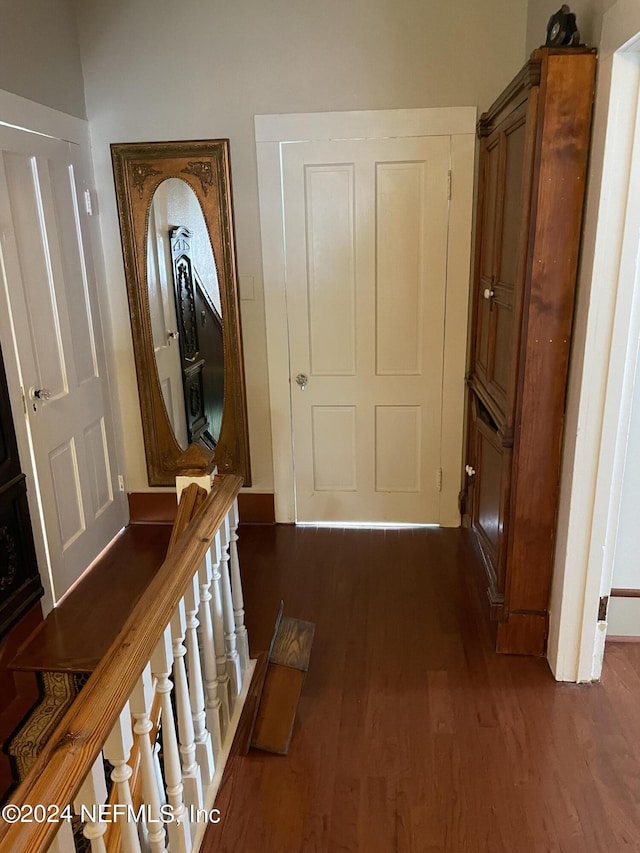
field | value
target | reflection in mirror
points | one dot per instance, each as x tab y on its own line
164	328
176	223
186	314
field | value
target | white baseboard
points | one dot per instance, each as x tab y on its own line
623	617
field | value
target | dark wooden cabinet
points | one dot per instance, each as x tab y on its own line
20	585
534	144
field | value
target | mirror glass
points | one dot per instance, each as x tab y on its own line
186	314
176	223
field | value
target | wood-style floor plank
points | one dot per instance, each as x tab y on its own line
412	735
77	633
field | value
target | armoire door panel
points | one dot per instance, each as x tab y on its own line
501	343
491	196
483	331
500	258
514	142
488	503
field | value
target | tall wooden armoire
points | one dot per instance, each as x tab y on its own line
534	144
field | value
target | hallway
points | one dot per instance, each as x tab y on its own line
412	735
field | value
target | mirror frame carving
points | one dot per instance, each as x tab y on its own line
203	165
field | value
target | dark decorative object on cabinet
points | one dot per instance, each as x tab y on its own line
534	144
562	29
20	585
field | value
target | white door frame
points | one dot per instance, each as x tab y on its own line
601	385
273	131
30	116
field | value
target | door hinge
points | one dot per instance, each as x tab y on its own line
449	185
439	479
121	482
88	202
602	608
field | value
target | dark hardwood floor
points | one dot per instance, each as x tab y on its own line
78	632
412	734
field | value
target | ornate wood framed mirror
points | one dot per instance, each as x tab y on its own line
176	224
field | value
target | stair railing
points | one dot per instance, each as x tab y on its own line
181	659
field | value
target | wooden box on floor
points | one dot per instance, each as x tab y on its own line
286	671
534	144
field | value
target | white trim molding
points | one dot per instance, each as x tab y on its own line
365	124
274	131
36	118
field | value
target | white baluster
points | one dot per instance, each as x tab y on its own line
208	651
141	705
64	841
92	795
215	555
236	589
204	749
117	750
191	778
178	828
233	658
158	772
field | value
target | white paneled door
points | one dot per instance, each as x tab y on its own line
366	229
51	322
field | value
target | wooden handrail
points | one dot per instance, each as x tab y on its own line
65	761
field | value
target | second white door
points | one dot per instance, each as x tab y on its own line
366	229
49	314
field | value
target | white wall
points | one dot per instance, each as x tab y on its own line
156	70
40	54
626	566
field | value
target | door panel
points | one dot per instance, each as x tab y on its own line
366	226
40	264
49	294
491	180
95	440
501	338
331	284
488	493
63	461
335	448
400	212
398	427
500	257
